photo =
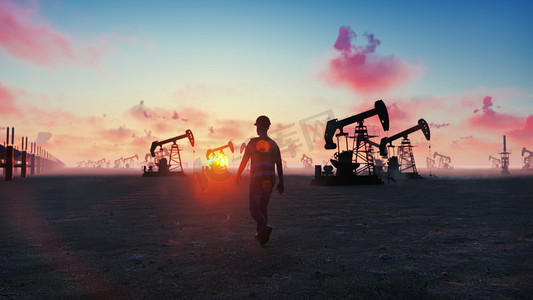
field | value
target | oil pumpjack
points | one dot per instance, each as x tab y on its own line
307	161
217	162
354	166
129	162
404	163
528	160
430	163
505	158
495	162
444	161
172	166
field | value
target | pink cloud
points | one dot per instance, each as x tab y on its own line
21	37
163	127
466	144
398	114
140	111
359	68
487	118
116	134
7	101
195	116
523	135
43	138
233	130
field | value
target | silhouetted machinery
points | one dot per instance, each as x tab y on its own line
153	161
129	162
119	163
528	160
505	158
101	163
430	163
90	164
307	161
444	161
355	164
216	166
495	162
404	162
172	166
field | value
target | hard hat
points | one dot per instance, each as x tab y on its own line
263	121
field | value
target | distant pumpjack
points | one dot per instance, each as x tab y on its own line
119	163
495	162
128	161
90	164
404	163
100	163
307	161
172	166
505	158
217	163
444	161
528	160
354	165
430	163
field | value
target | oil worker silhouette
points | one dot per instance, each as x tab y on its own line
265	154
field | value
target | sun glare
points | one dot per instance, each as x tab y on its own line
217	160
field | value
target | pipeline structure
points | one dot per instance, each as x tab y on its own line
37	160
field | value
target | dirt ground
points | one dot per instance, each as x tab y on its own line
128	237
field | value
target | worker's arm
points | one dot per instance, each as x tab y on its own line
279	167
244	161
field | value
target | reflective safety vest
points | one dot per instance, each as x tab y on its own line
262	169
263	159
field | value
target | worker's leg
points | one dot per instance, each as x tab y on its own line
266	189
256	195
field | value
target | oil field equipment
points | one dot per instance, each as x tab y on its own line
354	164
172	166
307	161
90	164
216	166
430	163
129	162
444	161
404	162
495	162
528	160
119	163
101	163
505	158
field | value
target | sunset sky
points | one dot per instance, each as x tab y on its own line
103	79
